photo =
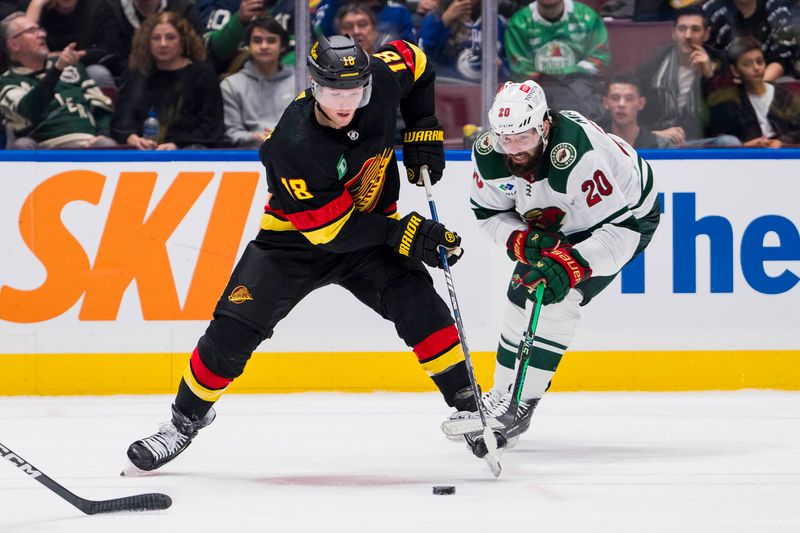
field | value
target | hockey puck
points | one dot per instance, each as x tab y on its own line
444	489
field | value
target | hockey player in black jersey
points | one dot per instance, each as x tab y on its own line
332	219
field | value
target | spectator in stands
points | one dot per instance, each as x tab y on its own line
255	97
563	45
624	101
677	81
49	102
226	21
167	74
755	111
393	18
768	21
451	38
89	24
130	14
360	23
419	9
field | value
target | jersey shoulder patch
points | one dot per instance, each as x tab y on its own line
491	164
567	145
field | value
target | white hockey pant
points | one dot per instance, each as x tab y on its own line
557	326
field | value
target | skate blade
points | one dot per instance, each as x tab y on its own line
462	426
492	457
493	462
131	470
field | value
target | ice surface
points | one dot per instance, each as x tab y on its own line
592	462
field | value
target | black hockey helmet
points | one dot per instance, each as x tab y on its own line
338	62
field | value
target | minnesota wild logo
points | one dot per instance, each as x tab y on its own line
484	144
544	218
562	155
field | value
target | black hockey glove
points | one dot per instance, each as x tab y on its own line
526	246
560	269
423	144
416	236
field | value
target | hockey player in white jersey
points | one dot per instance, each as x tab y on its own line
571	204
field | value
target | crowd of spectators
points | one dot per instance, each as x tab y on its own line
218	73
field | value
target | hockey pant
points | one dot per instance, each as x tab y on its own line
558	323
272	277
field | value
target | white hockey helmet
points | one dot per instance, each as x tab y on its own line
517	108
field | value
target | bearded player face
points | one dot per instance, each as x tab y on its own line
522	150
523	163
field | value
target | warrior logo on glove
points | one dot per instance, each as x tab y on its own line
423	144
419	237
408	235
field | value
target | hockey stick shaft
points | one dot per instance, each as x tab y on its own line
526	350
488	433
140	502
426	180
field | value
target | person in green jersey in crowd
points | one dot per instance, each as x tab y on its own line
563	46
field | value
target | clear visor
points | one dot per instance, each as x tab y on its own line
517	142
339	99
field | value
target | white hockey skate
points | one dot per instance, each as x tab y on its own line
450	427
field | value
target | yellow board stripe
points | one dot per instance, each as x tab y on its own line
160	373
200	391
450	358
327	233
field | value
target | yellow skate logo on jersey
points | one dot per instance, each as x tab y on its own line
240	295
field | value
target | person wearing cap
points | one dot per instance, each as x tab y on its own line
332	218
570	204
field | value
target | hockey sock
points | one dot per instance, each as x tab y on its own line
199	388
441	357
504	369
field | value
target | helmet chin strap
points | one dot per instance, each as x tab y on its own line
547	118
324	114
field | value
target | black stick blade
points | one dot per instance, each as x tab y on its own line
153	501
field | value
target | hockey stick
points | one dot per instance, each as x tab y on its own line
141	502
462	426
488	435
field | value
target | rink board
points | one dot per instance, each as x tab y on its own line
111	263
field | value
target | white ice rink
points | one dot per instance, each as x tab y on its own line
592	462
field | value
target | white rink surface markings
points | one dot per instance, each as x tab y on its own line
600	462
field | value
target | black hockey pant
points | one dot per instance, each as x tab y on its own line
272	277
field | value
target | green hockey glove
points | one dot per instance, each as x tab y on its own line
416	236
525	246
423	144
560	269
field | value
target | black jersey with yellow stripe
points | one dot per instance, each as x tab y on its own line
338	188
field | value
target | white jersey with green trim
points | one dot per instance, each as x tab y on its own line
590	185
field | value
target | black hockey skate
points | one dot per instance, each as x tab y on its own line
513	425
171	439
518	425
477	444
464	400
